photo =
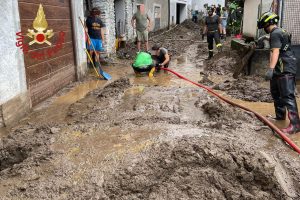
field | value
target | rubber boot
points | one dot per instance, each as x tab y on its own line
280	112
219	47
210	54
294	126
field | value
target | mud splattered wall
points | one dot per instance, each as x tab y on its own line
49	67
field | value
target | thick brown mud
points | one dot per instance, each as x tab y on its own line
130	141
218	74
142	138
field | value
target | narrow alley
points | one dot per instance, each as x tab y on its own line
74	127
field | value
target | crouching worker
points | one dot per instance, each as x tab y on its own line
143	63
161	56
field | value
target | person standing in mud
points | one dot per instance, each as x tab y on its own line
142	22
212	29
282	72
224	22
95	28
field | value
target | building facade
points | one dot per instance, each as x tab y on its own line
42	52
178	11
157	11
252	11
45	41
116	14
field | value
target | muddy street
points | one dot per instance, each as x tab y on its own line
152	138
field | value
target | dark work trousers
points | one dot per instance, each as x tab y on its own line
211	36
283	93
195	19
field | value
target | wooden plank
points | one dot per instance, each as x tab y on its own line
66	49
49	87
29	11
68	38
55	25
60	3
47	69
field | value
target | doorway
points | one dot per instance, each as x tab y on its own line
157	17
181	14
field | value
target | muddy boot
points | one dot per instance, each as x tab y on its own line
294	126
210	55
280	113
220	47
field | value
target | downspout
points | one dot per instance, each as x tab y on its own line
169	7
281	12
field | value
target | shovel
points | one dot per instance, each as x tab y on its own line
105	75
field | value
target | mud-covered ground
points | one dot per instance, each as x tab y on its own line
218	74
141	138
176	40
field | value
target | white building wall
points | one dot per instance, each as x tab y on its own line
12	70
173	11
251	15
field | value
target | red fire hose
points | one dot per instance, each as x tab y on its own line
259	116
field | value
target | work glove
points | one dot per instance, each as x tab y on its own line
269	74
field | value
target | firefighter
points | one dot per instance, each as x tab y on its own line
281	72
213	29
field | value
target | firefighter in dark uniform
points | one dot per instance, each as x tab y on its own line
213	29
281	72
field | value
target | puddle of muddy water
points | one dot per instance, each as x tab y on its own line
3	132
267	109
78	92
99	147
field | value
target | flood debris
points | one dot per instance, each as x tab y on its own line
137	138
245	89
200	168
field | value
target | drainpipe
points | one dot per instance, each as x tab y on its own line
169	5
281	12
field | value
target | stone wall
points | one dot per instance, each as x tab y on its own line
108	17
130	9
